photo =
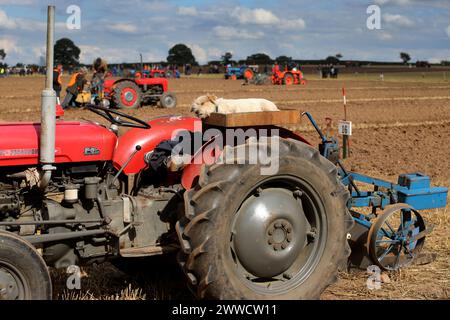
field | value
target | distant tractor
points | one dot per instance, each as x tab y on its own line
288	77
242	72
132	93
329	72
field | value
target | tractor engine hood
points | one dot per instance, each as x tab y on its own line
75	142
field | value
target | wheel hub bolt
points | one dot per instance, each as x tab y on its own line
312	234
287	276
298	193
279	234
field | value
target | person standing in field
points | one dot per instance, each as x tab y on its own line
75	86
57	83
100	67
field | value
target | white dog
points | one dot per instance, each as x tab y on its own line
205	105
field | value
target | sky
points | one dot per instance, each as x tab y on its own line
120	30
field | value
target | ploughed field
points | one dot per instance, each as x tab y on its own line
401	125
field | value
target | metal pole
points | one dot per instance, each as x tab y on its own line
48	108
345	137
50	41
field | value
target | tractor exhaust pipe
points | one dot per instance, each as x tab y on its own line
48	108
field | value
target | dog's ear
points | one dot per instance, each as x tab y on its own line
201	100
212	97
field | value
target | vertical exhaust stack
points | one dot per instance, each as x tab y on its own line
48	108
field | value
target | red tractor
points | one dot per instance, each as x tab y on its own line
76	192
261	216
288	77
132	93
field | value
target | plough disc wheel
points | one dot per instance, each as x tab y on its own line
396	238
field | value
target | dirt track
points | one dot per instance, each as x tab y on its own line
399	127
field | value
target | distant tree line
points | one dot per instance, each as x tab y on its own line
68	54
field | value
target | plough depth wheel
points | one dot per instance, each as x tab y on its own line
397	237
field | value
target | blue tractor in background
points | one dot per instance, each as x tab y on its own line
242	72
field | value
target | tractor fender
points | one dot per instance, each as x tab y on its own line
109	84
162	128
207	154
210	152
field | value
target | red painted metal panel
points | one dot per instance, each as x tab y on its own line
75	142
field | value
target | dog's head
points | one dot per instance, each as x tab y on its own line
203	106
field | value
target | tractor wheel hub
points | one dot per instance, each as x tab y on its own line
280	234
9	288
270	231
129	96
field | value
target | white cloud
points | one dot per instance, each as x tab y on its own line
397	2
448	30
265	17
294	24
435	3
112	55
123	27
228	33
26	24
17	2
116	55
385	36
254	16
187	11
398	20
203	55
6	22
215	53
11	48
199	53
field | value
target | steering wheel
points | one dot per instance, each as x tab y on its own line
108	115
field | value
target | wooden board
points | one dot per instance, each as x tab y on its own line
250	119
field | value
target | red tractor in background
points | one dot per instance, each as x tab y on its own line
132	93
287	77
144	87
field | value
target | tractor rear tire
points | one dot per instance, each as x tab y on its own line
230	252
127	95
288	79
168	100
23	273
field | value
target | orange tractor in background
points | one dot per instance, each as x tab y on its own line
287	76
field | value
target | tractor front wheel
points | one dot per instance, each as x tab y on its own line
252	236
288	79
168	100
249	74
23	272
127	95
